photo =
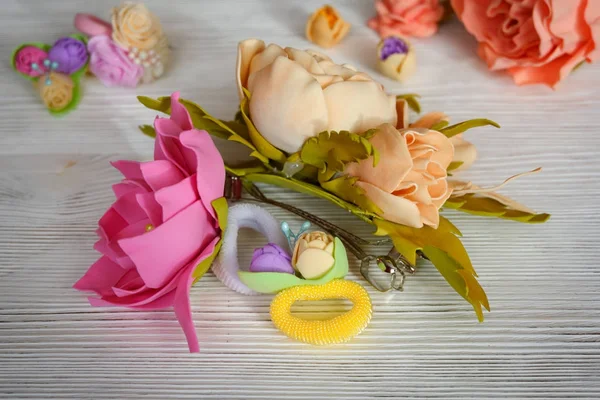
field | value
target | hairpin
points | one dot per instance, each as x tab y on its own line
130	50
54	70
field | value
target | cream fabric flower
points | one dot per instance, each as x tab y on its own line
313	254
296	94
134	26
409	182
326	27
59	93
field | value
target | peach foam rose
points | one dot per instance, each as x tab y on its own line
418	18
535	41
296	94
409	183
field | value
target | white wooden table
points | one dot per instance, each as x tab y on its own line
540	340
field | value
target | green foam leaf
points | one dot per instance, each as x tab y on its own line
461	127
148	130
273	282
487	207
331	151
411	100
345	187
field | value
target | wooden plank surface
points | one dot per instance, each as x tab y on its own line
541	339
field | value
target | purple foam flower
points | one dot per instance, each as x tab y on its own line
68	55
393	45
271	258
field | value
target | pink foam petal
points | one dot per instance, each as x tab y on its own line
160	174
131	171
182	306
100	277
122	188
111	223
158	303
162	252
149	204
180	114
129	208
209	166
175	198
129	292
167	143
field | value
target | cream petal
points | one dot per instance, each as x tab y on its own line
437	140
314	263
395	209
394	161
358	106
329	248
464	152
430	119
307	61
429	215
317	244
285	90
247	49
262	60
301	245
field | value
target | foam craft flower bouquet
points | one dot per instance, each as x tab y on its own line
314	127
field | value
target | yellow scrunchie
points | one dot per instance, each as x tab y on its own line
336	330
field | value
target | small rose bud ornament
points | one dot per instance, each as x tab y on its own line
313	254
326	27
271	258
396	58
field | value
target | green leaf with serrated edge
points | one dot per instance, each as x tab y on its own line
411	100
310	189
454	165
205	264
163	105
261	144
487	207
444	250
461	127
331	151
345	188
240	129
243	171
221	209
459	278
148	130
439	125
408	240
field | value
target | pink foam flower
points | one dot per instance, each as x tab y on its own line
162	224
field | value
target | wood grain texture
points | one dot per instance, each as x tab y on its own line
541	339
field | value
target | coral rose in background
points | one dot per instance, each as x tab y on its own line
535	41
418	18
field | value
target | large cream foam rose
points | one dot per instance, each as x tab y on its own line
409	183
134	26
296	94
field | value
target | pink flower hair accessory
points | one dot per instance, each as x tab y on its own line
130	49
164	229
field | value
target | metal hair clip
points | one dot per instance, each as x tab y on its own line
394	264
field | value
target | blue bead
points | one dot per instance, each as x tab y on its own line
48	82
46	62
34	66
54	65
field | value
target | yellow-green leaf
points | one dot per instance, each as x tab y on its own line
205	264
163	104
262	145
488	207
313	190
461	127
148	130
221	208
331	151
411	100
444	250
454	165
243	171
439	125
461	280
345	188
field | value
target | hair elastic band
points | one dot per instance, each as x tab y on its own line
92	25
226	266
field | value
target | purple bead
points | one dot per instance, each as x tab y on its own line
393	45
69	54
271	258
